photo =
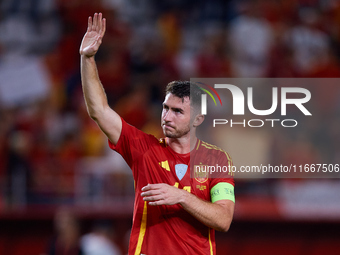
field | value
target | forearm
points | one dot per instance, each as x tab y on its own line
217	215
94	94
213	215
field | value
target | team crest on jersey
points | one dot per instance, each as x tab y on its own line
181	169
200	173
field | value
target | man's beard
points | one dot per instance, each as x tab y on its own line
174	133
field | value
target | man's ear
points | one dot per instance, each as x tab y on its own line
198	120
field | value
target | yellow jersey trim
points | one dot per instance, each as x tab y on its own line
198	144
211	248
142	230
214	147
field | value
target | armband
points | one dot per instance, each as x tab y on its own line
221	191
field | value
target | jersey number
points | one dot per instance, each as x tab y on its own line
187	188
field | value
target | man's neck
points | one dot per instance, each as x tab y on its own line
182	145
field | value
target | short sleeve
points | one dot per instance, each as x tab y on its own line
132	143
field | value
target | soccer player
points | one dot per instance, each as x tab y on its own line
173	213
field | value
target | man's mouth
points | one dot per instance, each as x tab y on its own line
167	126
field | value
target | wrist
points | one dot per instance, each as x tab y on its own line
183	198
85	57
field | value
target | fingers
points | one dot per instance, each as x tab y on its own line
95	21
157	186
147	187
100	22
150	193
89	24
103	29
159	202
161	194
153	198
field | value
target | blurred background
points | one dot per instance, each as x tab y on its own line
62	191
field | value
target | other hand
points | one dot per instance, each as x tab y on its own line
94	35
162	194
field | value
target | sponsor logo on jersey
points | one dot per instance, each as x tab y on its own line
165	165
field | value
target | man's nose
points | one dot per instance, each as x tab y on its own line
167	116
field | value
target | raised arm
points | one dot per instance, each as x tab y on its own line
94	94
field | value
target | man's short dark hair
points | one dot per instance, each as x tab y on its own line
184	89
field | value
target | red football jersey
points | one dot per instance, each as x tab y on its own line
168	229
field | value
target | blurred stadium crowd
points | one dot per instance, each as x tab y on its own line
47	141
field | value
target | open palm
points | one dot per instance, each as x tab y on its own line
94	35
